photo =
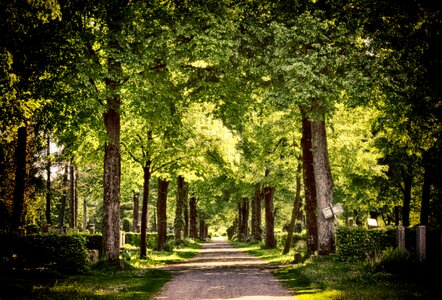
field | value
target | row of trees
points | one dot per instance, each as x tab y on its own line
229	97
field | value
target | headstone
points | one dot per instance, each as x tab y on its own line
400	237
421	243
93	255
122	239
372	223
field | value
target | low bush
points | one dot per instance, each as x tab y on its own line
63	253
360	243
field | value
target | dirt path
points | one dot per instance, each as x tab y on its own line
223	272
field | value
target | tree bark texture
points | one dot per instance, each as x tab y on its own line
309	185
112	155
256	214
71	196
145	210
324	187
112	175
408	183
163	186
48	180
426	191
270	241
193	233
295	211
63	199
243	217
186	211
136	212
20	178
179	218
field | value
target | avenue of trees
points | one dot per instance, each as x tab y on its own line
171	116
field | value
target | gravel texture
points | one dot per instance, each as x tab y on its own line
223	272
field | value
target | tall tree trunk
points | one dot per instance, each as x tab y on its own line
192	218
112	155
309	185
295	211
179	222
76	197
270	241
256	214
71	195
186	212
48	179
63	198
324	187
136	212
84	213
203	229
408	183
145	210
426	191
243	217
20	178
162	213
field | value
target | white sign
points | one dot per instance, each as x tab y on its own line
332	211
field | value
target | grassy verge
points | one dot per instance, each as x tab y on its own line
328	277
138	280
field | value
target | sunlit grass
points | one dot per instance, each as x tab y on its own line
326	277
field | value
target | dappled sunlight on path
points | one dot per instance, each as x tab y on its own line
223	272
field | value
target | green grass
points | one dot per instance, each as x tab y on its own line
327	277
138	280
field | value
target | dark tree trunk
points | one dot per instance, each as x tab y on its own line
145	210
136	212
295	211
84	214
20	178
408	182
243	219
426	191
192	218
270	241
186	212
48	180
324	187
256	215
309	185
63	198
112	174
203	229
76	197
179	222
112	155
163	186
71	196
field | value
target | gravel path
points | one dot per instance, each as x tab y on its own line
223	272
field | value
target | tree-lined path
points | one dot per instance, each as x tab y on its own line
223	272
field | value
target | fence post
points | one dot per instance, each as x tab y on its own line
421	243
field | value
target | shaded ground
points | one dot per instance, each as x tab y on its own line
223	272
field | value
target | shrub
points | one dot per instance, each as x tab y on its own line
64	253
360	243
396	261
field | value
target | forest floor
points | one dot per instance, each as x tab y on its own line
221	271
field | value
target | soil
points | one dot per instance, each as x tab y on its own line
220	271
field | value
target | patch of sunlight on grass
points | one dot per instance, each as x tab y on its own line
320	295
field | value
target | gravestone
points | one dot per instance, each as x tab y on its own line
421	243
400	237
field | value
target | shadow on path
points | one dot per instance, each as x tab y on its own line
220	271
